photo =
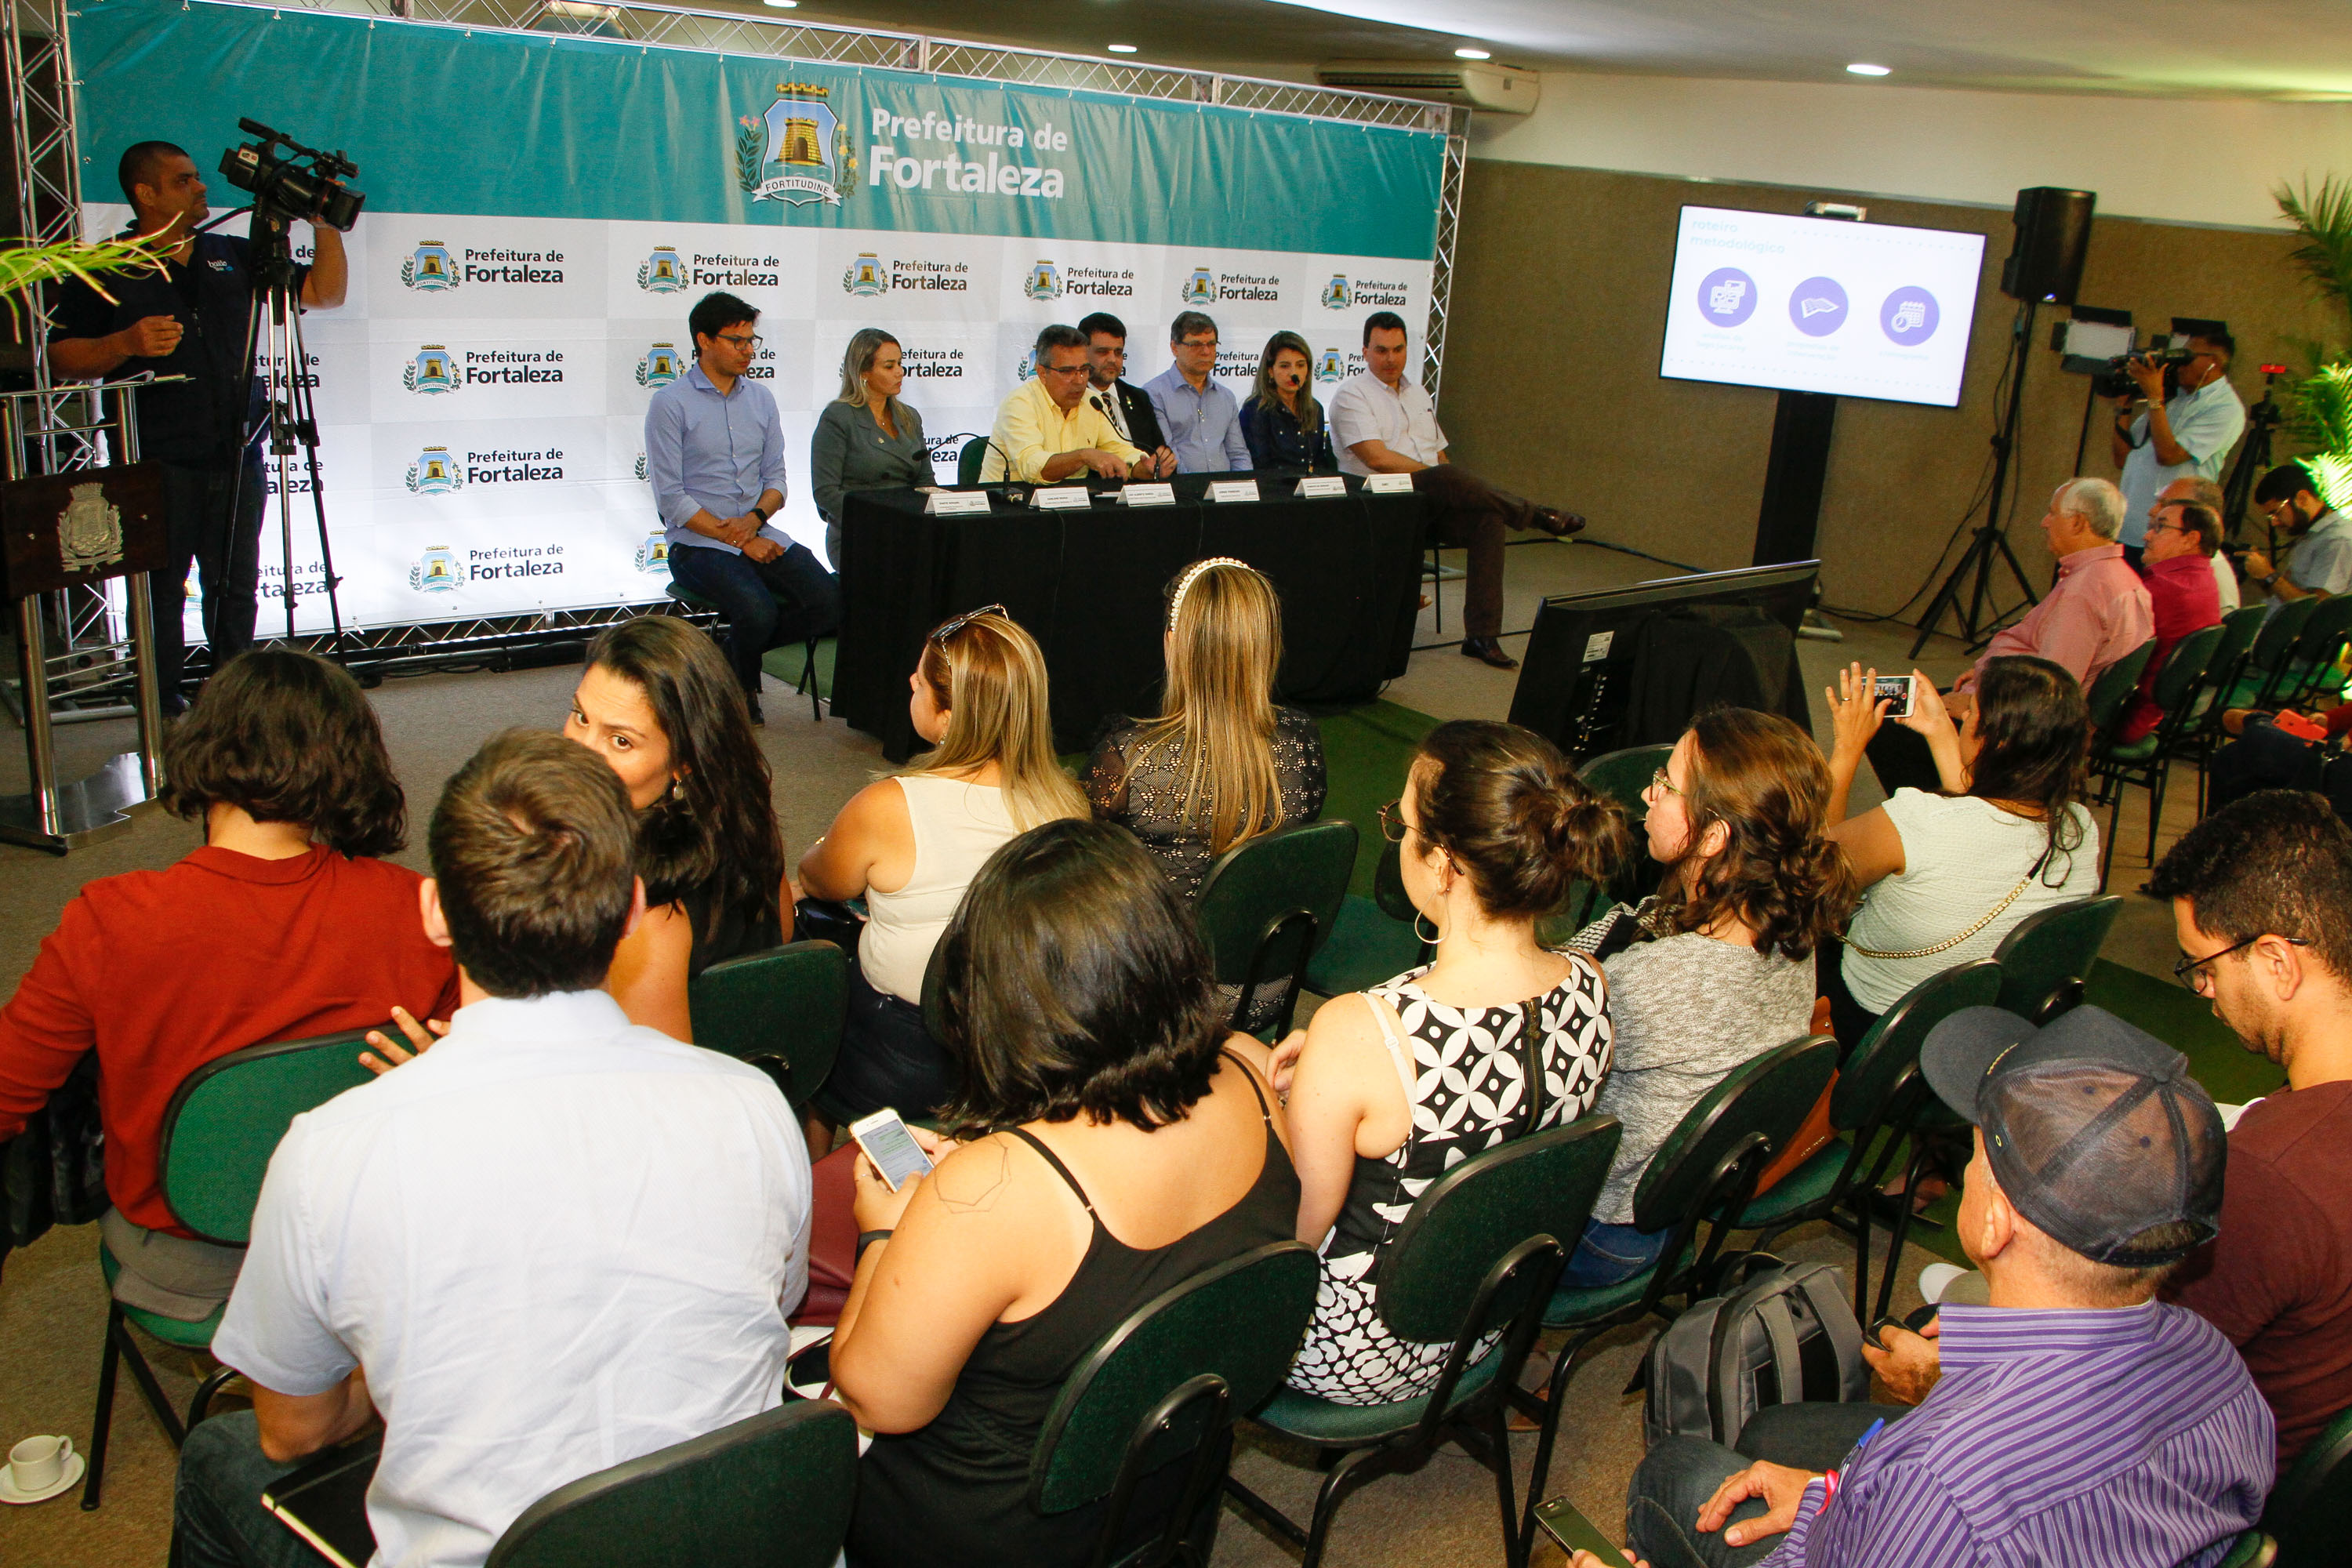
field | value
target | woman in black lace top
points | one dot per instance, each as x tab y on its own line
1222	763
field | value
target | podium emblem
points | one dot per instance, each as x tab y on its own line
89	530
653	552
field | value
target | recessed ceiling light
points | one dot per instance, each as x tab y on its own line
785	4
1472	55
1122	49
1859	69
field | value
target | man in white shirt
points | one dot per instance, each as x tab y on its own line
1382	422
554	1242
2185	436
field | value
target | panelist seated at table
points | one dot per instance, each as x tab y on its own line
1127	405
867	438
1201	420
1048	433
1282	424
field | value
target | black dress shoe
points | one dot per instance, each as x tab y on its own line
759	720
1557	524
1489	651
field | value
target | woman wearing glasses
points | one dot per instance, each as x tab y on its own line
1391	1088
1717	967
866	439
908	846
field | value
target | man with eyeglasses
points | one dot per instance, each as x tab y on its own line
1202	419
2207	494
2181	596
1049	431
715	453
2318	560
2261	907
2183	433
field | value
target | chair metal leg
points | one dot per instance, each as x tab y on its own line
808	680
1352	1471
1548	1432
1272	1517
2157	772
93	1483
200	1405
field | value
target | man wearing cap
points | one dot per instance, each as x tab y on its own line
2077	1419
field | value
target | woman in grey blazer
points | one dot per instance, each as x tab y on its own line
865	438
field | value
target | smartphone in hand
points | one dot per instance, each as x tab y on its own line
891	1147
1894	689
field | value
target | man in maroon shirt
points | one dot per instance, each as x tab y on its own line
2262	905
2178	567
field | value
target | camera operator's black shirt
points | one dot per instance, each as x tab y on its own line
195	422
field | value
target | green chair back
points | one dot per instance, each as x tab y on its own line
2324	634
2240	627
2281	628
2114	688
226	1119
968	461
1887	1056
771	1492
2253	1549
1132	1406
785	1005
1769	1095
1387	883
1268	901
1622	777
1477	1213
2046	956
2186	665
2309	1505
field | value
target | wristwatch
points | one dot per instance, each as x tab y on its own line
763	513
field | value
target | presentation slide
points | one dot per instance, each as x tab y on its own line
1809	304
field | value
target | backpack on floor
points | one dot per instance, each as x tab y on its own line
1780	1333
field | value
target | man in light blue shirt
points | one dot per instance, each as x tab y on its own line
715	452
1200	419
2184	436
2317	560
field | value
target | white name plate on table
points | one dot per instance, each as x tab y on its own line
1062	498
1148	495
1321	485
1233	490
1388	484
956	504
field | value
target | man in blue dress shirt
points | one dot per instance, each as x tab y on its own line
1200	419
715	452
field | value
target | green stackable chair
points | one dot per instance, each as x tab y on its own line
772	1490
2251	1549
2204	734
221	1127
969	460
2110	694
2147	761
807	685
780	1010
2046	957
2311	665
1265	905
2309	1505
1477	1256
1878	1095
1622	776
1165	1388
1373	938
2271	658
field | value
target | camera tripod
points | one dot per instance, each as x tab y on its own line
2254	461
1992	541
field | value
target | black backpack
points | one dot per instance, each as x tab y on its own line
1779	1333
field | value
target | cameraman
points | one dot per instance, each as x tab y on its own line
191	321
2183	434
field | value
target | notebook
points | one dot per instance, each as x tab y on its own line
325	1501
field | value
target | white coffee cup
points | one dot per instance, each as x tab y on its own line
36	1464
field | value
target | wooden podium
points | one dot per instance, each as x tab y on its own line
79	529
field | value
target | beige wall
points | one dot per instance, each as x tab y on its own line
1552	387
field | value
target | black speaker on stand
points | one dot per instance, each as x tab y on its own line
2044	266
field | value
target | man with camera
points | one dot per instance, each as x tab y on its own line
192	320
2192	419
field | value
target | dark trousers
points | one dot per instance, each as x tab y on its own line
225	550
216	1509
768	604
1680	1474
1849	1020
887	1058
2264	757
1466	512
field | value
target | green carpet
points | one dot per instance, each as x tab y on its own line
1366	751
784	664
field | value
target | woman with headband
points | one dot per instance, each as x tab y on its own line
1222	762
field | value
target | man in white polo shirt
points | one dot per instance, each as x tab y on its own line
554	1242
1383	423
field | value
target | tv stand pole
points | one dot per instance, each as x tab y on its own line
1794	478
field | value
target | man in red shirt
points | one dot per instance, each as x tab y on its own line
2262	906
2178	567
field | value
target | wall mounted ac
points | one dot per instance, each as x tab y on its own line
1471	84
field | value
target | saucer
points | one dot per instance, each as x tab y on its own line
66	1483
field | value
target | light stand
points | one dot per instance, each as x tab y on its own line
1992	539
2254	457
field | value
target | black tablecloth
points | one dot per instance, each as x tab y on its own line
1086	586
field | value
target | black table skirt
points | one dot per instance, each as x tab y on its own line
1088	586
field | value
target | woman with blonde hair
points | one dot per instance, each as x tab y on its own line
909	845
1222	762
1282	424
866	439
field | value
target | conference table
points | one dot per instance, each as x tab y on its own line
1088	586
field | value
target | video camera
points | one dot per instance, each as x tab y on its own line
2115	380
304	184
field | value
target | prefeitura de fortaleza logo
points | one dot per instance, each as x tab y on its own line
798	152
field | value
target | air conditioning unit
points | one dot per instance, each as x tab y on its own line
1471	84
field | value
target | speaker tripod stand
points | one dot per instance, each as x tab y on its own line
1990	543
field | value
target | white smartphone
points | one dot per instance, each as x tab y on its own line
891	1147
1894	689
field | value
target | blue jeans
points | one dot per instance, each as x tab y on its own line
768	604
216	1510
1612	1254
1681	1473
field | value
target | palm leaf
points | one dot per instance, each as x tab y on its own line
25	266
2324	219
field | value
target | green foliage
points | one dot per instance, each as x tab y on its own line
2320	404
25	266
2323	218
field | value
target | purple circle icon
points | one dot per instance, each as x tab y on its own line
1727	297
1818	306
1909	317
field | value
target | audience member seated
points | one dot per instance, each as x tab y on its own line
1050	431
1223	763
554	1242
2096	612
908	846
1200	417
1389	1089
1718	967
2075	1418
867	438
1947	872
2262	904
1134	1146
2317	562
1281	422
283	925
2264	755
2176	566
2207	494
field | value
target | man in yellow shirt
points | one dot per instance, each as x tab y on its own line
1049	430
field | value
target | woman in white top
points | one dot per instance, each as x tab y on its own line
908	846
1946	876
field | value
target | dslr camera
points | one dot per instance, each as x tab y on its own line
2115	380
301	183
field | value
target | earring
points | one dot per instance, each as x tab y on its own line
677	791
1435	937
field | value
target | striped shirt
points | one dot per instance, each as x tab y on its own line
2131	1438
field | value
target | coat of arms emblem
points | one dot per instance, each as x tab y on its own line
89	530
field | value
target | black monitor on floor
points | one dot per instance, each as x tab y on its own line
1580	661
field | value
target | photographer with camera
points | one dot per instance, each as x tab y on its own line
2192	419
192	319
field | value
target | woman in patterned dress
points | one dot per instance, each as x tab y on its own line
1497	1038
